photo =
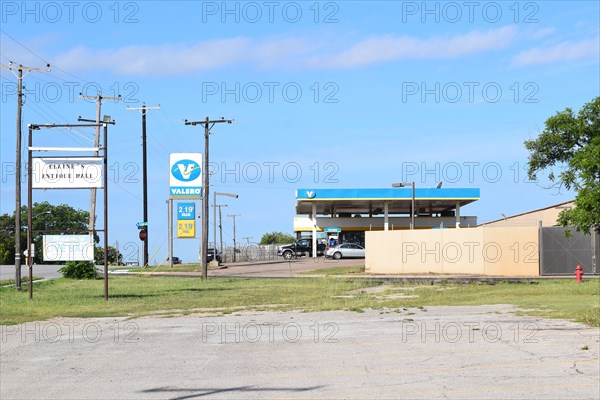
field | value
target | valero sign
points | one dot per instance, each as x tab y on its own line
186	229
185	179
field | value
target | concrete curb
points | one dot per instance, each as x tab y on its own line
407	279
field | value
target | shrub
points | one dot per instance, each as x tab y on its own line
79	270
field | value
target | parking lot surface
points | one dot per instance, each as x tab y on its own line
480	352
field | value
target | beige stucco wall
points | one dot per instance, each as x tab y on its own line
519	251
511	251
547	216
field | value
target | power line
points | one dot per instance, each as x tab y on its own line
54	66
25	47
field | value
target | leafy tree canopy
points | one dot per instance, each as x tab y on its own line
114	256
570	143
277	238
47	219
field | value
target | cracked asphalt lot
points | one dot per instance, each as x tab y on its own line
480	352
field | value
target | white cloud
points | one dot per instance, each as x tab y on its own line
278	53
156	60
561	52
274	53
541	33
168	59
390	47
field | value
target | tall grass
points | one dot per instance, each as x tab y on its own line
141	295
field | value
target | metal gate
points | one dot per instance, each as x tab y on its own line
560	255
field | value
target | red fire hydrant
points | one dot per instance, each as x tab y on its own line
578	274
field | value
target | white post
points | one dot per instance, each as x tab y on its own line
385	216
457	214
170	230
314	229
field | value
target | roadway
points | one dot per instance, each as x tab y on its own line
464	352
41	270
258	269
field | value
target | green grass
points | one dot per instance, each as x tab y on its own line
135	296
24	279
142	295
357	269
563	299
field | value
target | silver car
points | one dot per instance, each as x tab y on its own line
345	250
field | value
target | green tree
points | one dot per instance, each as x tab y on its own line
47	219
277	238
4	254
114	256
7	239
571	143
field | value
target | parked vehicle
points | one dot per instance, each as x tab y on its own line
176	260
302	247
345	250
210	255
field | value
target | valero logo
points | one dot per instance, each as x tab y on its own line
186	170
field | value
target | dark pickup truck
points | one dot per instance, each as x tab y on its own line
302	247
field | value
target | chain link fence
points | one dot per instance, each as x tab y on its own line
250	252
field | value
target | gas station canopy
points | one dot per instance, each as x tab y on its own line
428	201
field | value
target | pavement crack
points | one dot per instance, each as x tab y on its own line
576	370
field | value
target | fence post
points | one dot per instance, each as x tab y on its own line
594	250
540	248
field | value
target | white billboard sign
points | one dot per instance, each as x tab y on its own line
185	178
67	173
68	248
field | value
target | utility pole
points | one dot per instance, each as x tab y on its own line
98	97
248	239
221	230
144	109
234	243
19	74
208	124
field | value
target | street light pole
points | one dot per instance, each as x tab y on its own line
30	252
412	207
221	229
208	124
215	194
412	203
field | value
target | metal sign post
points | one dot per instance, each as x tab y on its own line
186	183
77	180
170	231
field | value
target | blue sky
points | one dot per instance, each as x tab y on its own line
324	94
